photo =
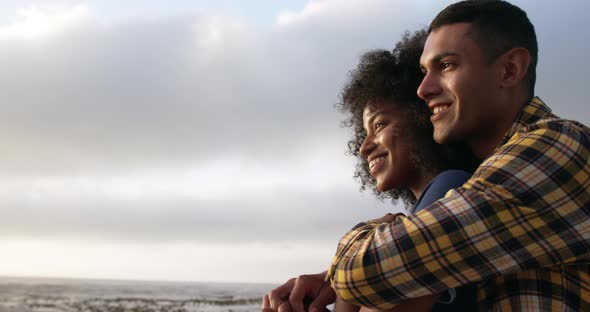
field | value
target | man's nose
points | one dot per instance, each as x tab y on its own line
429	87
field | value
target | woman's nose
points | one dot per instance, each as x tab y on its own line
367	146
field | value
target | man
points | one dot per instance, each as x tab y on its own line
520	227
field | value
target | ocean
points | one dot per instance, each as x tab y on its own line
52	295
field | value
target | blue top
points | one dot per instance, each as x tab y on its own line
439	186
464	297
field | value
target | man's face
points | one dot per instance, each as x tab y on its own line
458	86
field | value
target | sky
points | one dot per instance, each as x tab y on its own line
198	140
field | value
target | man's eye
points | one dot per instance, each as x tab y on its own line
379	125
446	65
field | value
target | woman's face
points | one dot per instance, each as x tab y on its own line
385	148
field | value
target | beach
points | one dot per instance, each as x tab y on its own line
52	295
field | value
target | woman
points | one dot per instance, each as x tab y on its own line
398	158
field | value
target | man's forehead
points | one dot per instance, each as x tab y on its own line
446	39
450	32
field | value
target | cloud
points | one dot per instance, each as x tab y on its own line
35	23
265	262
276	215
115	97
203	127
138	94
323	9
194	128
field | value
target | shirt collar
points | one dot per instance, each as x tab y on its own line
536	109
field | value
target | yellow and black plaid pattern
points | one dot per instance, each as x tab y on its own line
520	227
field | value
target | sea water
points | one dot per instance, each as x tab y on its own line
51	295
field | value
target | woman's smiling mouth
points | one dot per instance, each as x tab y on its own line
375	163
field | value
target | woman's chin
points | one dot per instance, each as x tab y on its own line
387	185
382	187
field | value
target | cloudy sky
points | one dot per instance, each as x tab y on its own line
197	140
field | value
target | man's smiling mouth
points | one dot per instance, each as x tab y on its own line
440	108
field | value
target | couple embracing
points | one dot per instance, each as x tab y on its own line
497	187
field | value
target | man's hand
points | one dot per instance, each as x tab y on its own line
283	307
304	293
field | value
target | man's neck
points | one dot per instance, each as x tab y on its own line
484	145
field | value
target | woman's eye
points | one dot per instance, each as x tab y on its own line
379	125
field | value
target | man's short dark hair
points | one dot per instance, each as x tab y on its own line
496	26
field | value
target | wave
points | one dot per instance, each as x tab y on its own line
53	304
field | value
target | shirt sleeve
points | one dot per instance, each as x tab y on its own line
527	206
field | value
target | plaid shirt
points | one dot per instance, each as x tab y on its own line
520	227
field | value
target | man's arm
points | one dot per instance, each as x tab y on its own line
527	206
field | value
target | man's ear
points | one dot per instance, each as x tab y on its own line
515	65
